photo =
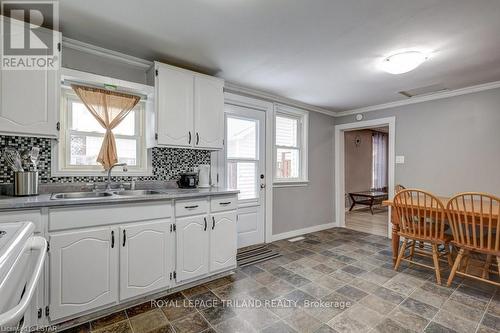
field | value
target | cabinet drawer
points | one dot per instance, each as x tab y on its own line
191	207
222	203
99	215
34	216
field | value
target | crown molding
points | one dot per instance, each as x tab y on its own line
239	89
106	53
420	99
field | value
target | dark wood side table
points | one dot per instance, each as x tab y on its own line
367	198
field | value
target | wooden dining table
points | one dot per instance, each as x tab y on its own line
423	206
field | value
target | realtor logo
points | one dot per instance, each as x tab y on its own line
30	35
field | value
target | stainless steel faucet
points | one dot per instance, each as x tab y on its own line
108	183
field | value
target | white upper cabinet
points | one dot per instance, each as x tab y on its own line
190	108
144	258
208	112
29	101
174	91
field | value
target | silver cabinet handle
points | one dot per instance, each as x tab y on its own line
191	207
124	238
189	137
213	223
205	219
112	239
225	203
197	138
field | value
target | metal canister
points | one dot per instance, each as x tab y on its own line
25	183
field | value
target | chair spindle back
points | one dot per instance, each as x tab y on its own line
420	214
474	220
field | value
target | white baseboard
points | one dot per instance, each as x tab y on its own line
298	232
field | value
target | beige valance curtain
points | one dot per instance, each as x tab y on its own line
109	108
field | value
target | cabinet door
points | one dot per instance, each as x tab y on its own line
174	107
145	254
208	112
83	271
192	247
29	102
223	239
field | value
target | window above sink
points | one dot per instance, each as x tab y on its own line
81	135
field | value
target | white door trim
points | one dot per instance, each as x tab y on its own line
339	163
267	107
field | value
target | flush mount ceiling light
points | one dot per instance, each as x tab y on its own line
403	62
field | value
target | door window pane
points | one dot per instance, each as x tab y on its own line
286	131
243	176
287	163
241	138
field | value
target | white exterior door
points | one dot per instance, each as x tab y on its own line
192	244
83	271
174	106
245	170
222	241
29	100
144	258
208	112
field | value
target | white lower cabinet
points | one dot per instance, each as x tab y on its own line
205	244
145	258
83	270
223	241
94	266
192	246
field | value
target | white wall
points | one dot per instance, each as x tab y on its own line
96	64
312	205
450	145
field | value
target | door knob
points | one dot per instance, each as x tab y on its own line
262	185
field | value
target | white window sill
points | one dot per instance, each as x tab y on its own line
294	183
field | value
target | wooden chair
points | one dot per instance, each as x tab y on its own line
475	222
421	217
399	188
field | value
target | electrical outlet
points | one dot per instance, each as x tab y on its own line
400	159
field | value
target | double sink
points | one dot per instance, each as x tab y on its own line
96	195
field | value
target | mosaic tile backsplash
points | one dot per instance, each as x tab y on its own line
168	163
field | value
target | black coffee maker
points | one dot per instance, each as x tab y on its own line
188	180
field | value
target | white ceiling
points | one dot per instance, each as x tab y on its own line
321	52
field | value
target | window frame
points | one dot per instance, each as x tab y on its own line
302	118
61	152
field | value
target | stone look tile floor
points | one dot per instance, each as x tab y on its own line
348	271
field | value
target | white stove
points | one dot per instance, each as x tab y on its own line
22	256
13	237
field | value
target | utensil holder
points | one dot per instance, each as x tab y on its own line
25	183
